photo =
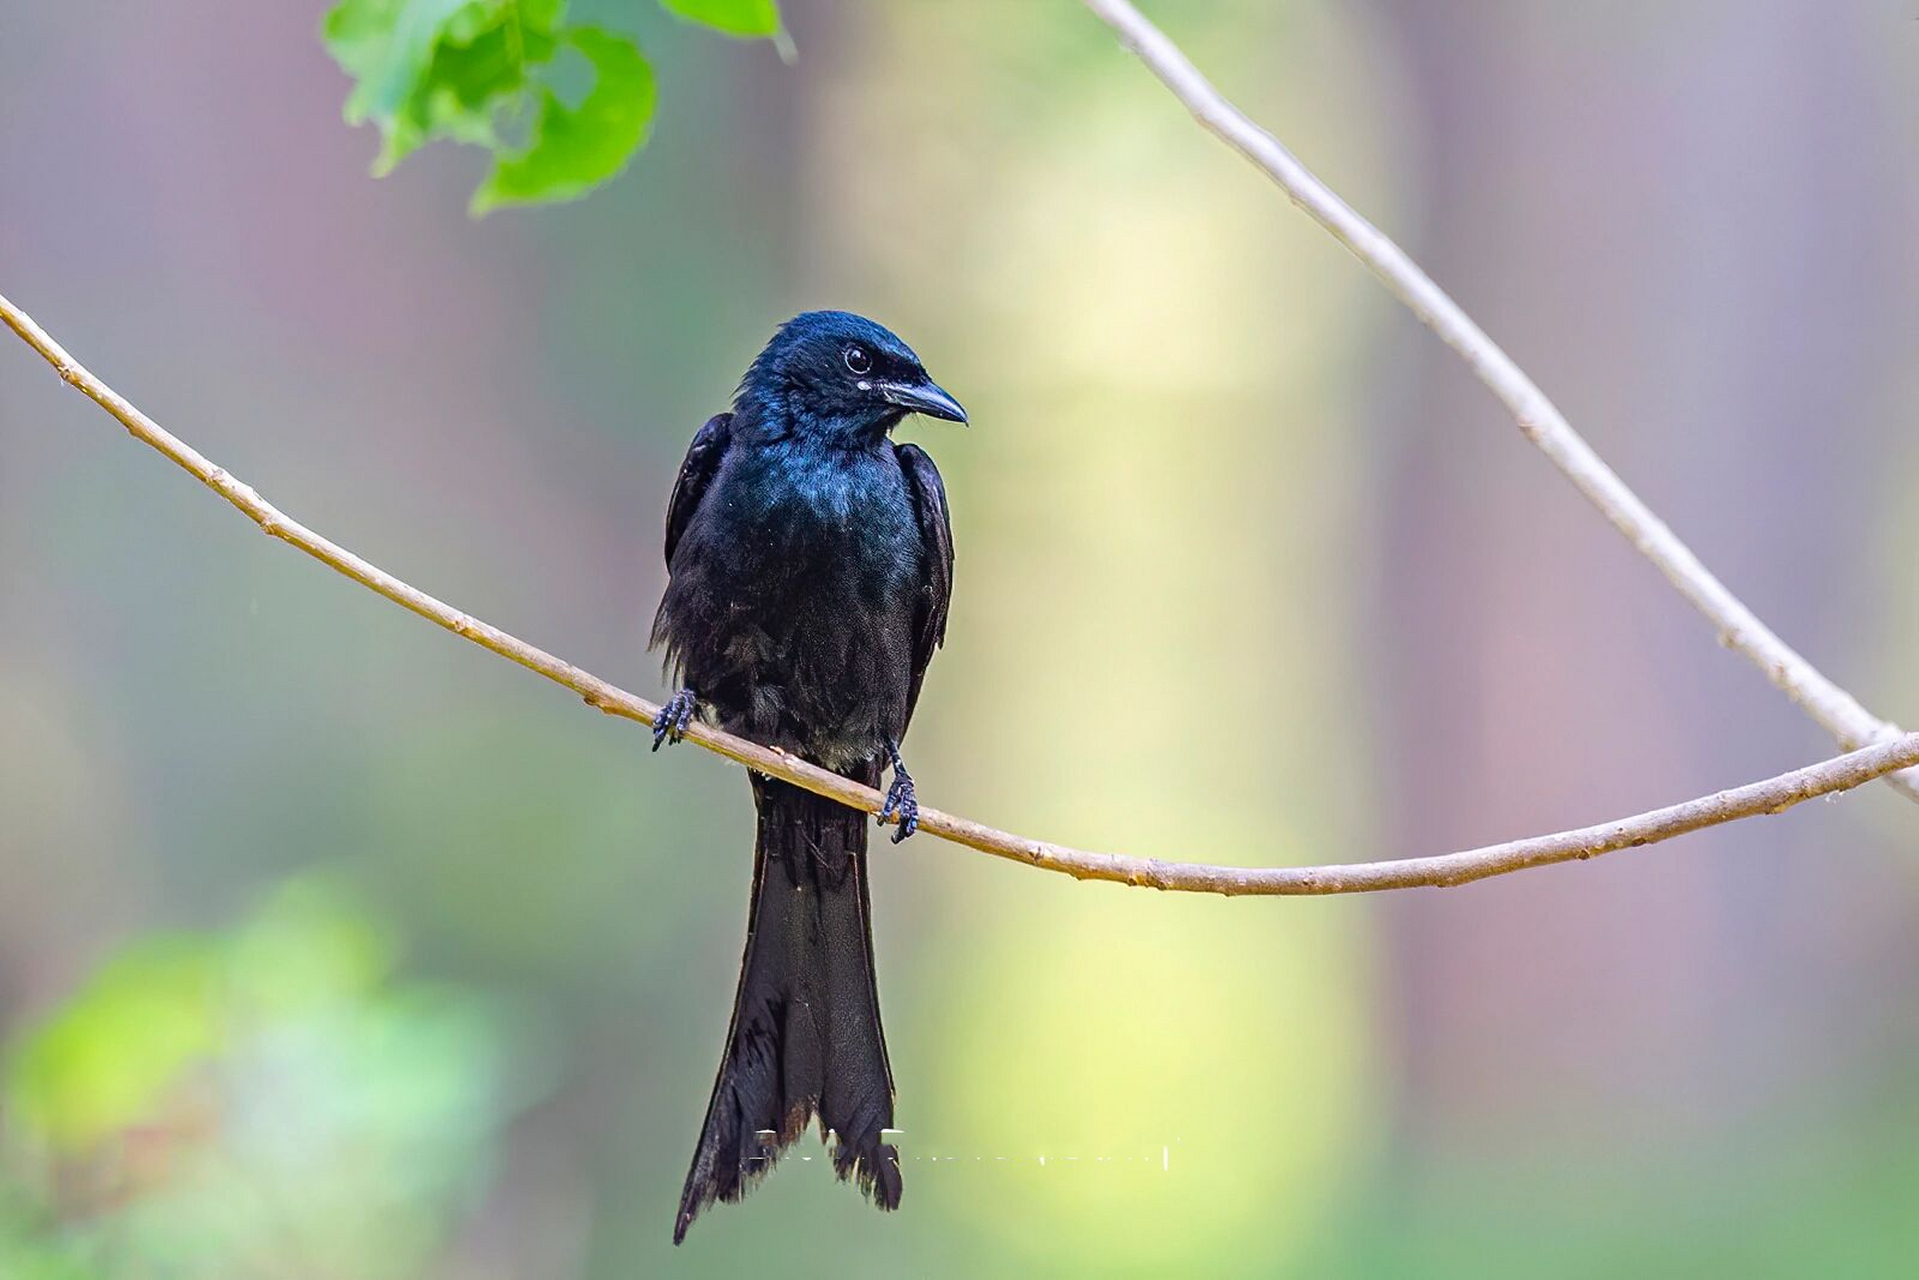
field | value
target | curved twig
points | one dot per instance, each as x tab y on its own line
1770	796
1837	711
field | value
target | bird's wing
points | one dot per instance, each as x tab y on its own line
696	473
936	541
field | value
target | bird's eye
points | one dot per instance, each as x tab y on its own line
858	360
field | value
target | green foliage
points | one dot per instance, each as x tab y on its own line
574	149
487	73
207	1101
734	17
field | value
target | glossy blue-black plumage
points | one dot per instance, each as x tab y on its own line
810	566
810	558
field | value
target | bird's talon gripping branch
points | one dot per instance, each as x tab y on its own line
902	804
674	717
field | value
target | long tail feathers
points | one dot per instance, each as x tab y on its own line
806	1038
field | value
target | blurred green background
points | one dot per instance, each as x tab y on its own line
331	947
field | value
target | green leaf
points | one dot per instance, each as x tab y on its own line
438	68
482	72
734	17
479	71
359	33
574	149
386	45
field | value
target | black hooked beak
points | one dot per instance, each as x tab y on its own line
924	396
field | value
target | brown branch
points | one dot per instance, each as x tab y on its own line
1740	630
1770	796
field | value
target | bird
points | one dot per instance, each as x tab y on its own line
809	572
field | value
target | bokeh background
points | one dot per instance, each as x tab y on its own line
331	947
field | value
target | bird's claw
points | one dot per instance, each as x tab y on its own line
674	717
902	805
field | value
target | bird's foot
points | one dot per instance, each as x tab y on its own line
902	804
674	717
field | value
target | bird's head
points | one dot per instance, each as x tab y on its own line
840	375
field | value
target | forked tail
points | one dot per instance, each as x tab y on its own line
806	1038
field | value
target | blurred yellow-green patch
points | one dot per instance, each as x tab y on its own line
107	1060
202	1100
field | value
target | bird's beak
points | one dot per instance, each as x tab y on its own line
924	396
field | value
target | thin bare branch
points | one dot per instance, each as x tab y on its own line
1770	796
1837	711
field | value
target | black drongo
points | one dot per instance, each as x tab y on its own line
810	562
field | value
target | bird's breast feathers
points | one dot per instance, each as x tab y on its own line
833	505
